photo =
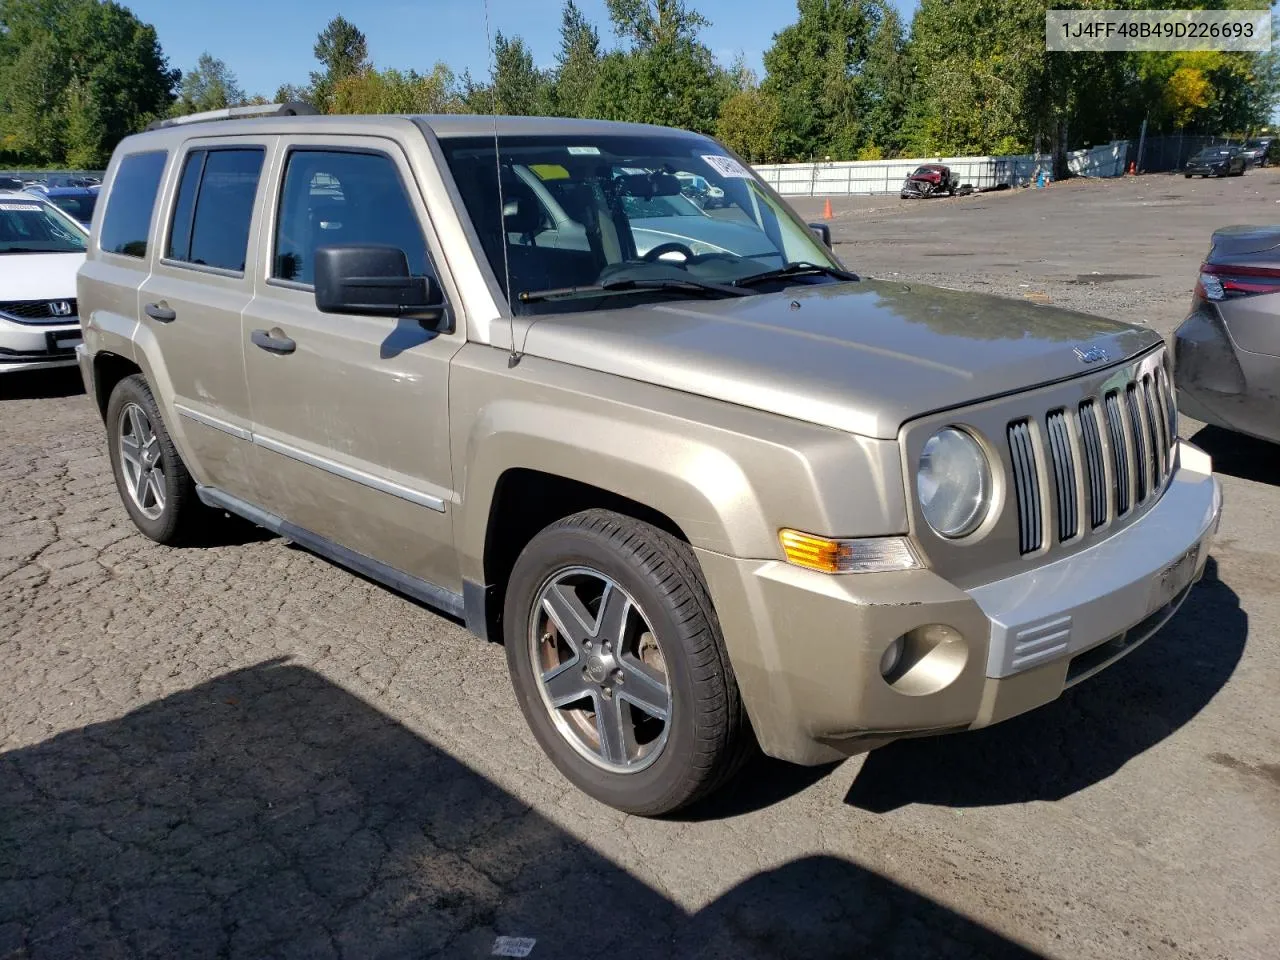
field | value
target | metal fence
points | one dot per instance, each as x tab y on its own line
844	178
1171	151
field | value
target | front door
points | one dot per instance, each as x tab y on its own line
193	300
351	413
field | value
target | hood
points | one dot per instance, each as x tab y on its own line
39	276
861	357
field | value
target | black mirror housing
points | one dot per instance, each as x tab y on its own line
373	281
822	232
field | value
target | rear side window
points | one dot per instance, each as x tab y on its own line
215	207
339	198
133	198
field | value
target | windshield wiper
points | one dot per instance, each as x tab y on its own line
795	270
699	287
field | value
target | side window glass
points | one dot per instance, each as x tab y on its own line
127	221
336	198
214	208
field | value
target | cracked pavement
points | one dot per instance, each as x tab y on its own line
244	751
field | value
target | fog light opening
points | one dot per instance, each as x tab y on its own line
930	658
891	657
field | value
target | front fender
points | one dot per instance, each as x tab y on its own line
728	477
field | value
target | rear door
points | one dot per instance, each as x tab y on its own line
350	412
193	300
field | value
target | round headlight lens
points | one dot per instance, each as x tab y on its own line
954	483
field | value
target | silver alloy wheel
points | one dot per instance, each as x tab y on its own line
600	670
141	461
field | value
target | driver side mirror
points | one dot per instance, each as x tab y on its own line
373	281
822	232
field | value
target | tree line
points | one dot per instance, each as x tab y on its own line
848	79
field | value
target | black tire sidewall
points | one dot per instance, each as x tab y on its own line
164	528
658	787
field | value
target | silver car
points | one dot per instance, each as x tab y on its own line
1228	350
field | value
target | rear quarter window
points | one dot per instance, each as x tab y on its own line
127	221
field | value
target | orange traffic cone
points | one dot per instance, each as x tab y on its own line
1132	168
826	210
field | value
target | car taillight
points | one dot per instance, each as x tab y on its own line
1222	281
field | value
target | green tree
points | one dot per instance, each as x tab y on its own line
749	123
77	76
343	51
516	87
815	71
886	85
667	75
577	63
394	91
210	86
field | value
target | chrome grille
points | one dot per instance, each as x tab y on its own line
1064	473
37	311
1130	430
1026	484
1094	463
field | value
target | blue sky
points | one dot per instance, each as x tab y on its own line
268	42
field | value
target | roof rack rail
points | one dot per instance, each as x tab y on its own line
292	109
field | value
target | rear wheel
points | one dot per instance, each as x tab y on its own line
154	485
619	665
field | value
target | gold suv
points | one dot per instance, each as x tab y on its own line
709	488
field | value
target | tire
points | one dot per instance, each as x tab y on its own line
180	515
706	736
1187	175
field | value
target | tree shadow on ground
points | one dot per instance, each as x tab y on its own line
1240	456
41	384
269	813
1083	737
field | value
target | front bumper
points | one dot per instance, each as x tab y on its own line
806	647
37	346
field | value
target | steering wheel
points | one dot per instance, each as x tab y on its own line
670	247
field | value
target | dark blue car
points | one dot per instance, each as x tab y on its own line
76	202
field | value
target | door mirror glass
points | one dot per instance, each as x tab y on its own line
373	281
822	232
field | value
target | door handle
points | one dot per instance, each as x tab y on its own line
271	343
160	311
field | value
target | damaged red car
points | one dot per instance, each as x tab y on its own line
929	180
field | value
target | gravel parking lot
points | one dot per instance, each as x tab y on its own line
243	751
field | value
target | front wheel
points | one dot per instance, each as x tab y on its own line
619	664
154	484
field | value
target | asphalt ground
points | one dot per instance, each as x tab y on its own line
241	750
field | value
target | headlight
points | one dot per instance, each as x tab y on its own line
954	483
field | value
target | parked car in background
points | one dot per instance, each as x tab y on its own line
1227	352
79	202
1216	162
41	248
11	183
705	194
1261	152
929	180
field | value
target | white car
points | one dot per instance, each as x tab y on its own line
41	248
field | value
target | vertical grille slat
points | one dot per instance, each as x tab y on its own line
1026	484
1139	460
1096	470
1119	452
1064	474
1156	433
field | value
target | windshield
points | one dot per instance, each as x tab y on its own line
1212	154
81	208
584	211
34	227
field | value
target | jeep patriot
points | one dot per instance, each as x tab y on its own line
712	491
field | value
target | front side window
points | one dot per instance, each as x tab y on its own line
214	208
35	227
127	223
564	212
339	198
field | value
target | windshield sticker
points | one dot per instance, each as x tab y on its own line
549	171
727	166
19	206
584	151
